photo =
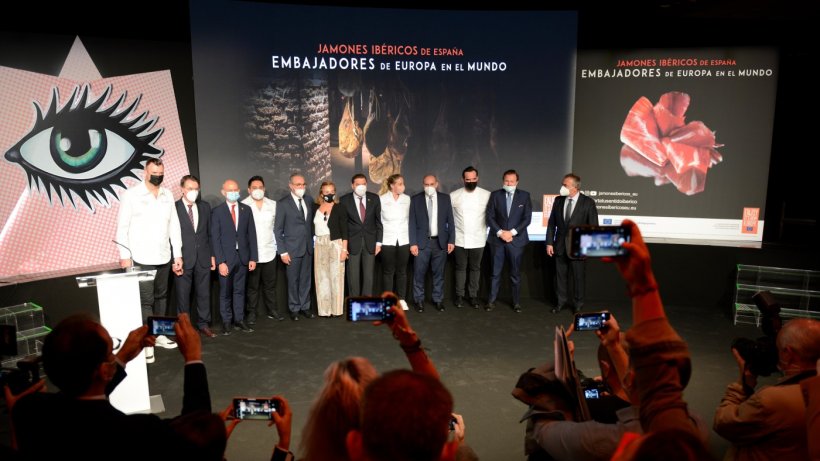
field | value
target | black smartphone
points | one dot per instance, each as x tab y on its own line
453	422
162	326
260	409
597	241
590	321
369	308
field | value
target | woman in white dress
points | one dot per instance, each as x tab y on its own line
396	239
330	253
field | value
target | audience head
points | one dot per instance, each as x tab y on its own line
154	171
78	356
798	345
405	416
203	433
297	184
336	410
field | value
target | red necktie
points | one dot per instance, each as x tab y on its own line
361	208
233	214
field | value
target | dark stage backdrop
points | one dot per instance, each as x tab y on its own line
678	139
335	91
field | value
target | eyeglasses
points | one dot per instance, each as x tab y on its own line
325	213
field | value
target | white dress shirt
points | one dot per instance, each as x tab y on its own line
263	219
148	226
470	215
395	219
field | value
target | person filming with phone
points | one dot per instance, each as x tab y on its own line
79	422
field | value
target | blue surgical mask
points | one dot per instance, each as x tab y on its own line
232	196
509	189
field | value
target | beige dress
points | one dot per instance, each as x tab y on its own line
328	270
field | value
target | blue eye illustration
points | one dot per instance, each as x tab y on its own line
84	148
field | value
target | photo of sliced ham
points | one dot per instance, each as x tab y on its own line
659	143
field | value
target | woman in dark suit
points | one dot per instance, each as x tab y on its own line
330	252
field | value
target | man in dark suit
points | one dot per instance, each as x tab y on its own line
197	256
572	208
364	226
432	237
509	213
79	422
233	238
293	228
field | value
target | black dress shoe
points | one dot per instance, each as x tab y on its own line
555	310
244	327
251	320
294	317
275	316
517	308
439	306
308	314
419	307
489	307
459	302
475	303
226	330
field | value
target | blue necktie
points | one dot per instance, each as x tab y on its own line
509	203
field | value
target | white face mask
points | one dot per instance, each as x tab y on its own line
299	193
430	190
257	194
509	189
191	195
360	190
564	191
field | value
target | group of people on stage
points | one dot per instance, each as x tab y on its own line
335	239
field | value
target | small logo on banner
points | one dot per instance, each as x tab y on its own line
750	220
607	221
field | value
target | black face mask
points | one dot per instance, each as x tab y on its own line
155	179
329	197
470	185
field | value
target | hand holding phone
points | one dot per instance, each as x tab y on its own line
598	241
590	321
162	326
258	409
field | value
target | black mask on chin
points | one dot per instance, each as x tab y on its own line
155	179
470	185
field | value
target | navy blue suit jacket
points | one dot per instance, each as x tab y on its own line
224	237
518	219
419	224
294	233
196	243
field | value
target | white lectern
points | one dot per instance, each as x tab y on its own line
121	313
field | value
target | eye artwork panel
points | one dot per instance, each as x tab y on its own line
70	144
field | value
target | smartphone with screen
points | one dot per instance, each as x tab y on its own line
162	326
254	408
590	321
597	241
369	308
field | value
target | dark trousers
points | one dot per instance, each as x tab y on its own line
513	254
299	273
575	268
154	293
232	294
360	269
433	256
198	280
468	261
394	264
262	290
